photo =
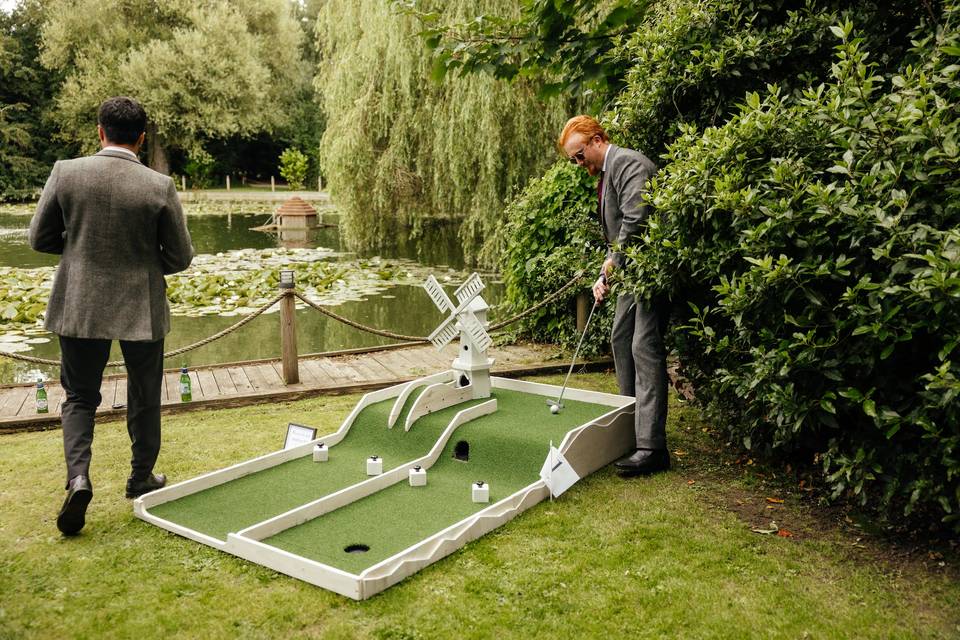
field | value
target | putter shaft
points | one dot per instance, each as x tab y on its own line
576	352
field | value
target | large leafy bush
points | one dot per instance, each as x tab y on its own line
815	238
552	232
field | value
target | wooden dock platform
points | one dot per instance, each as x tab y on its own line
241	383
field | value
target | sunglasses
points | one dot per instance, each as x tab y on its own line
578	157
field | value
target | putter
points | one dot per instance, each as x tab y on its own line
555	407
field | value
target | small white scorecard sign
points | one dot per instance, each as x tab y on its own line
557	473
298	434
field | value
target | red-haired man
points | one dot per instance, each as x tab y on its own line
639	354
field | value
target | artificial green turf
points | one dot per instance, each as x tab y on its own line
240	503
507	450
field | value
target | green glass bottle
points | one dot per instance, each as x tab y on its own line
186	389
42	405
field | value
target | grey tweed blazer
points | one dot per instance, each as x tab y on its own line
624	207
119	227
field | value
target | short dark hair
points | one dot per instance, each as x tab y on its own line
123	119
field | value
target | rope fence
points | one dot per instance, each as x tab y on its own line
335	316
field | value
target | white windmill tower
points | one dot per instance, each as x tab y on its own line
470	318
471	367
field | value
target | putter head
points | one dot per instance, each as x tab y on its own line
557	402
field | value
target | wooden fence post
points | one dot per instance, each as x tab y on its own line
288	329
583	308
228	183
273	184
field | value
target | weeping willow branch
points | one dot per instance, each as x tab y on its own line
401	149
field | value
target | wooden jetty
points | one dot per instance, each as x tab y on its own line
252	382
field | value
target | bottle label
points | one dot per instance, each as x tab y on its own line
184	388
42	405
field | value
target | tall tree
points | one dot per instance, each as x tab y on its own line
401	149
26	93
204	70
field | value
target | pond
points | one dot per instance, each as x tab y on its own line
234	272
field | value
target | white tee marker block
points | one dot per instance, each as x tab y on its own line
374	465
320	452
418	477
481	491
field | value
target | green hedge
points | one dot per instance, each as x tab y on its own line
552	232
815	239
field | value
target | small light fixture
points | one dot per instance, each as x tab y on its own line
286	279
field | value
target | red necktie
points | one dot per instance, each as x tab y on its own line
600	198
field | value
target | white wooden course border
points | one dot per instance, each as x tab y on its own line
587	448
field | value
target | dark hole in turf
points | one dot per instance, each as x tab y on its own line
464	381
356	548
461	450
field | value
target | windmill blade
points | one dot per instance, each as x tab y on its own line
469	289
443	334
475	330
438	295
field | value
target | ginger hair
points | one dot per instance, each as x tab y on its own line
584	125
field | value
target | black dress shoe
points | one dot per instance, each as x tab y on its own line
136	488
73	513
643	462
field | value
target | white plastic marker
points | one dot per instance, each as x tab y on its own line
557	473
555	407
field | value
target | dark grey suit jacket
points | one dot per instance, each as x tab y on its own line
624	207
119	227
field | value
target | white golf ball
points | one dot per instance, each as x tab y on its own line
554	408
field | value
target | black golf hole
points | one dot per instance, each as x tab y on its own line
356	548
461	450
464	381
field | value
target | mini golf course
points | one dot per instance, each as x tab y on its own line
360	518
333	525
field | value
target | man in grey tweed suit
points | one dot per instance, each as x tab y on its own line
639	354
119	228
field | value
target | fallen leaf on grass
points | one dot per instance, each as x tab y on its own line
774	528
783	533
775	500
690	481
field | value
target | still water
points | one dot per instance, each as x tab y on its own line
404	309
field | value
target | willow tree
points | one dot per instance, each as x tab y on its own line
401	148
204	70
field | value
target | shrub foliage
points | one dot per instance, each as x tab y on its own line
815	239
806	228
552	232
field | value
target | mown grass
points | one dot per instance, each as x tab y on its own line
642	558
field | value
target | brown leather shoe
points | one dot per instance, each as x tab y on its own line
73	513
136	488
644	462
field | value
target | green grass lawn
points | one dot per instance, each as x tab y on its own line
668	556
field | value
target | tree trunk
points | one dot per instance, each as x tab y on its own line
157	150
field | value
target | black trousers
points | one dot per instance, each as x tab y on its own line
82	361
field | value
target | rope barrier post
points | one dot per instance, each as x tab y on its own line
583	306
288	328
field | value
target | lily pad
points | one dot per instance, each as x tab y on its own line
14	347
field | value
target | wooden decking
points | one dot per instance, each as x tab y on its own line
261	381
